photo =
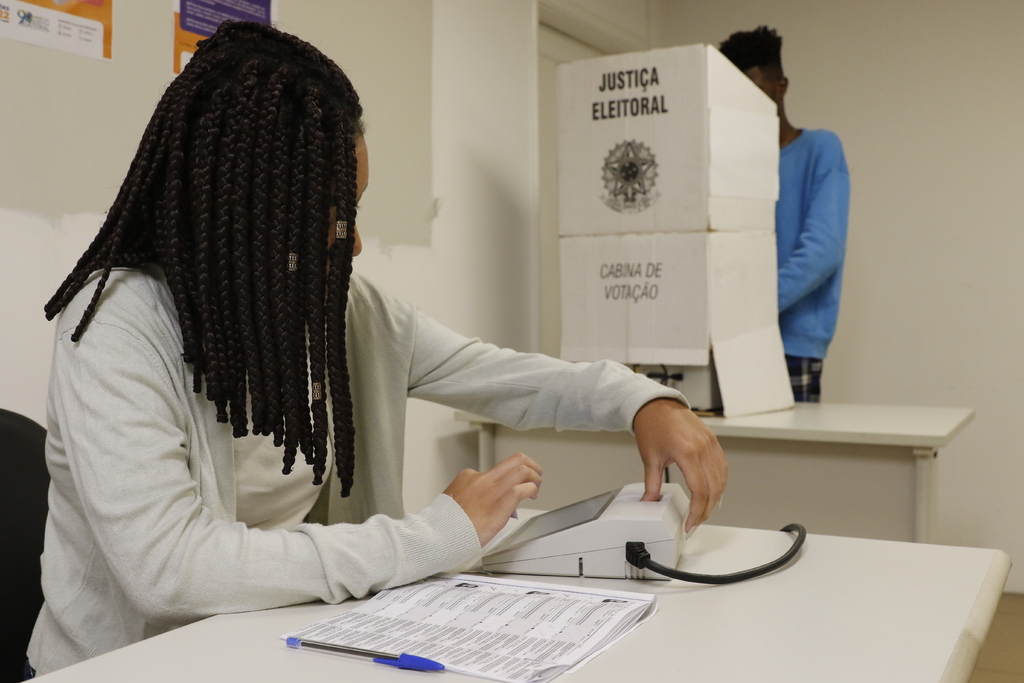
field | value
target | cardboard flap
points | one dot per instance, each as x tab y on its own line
741	214
743	284
752	374
730	87
743	295
744	154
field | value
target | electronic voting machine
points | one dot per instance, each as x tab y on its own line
588	538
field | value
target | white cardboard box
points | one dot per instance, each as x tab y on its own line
669	140
668	176
671	297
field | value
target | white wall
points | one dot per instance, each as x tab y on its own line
553	48
610	26
926	97
478	275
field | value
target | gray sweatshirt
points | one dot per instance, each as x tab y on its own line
142	535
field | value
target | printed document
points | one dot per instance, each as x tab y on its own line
515	631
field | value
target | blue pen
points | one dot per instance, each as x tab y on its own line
402	661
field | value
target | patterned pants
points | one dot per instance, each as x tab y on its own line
805	376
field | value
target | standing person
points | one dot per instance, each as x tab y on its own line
810	217
214	330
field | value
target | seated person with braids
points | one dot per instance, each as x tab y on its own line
214	329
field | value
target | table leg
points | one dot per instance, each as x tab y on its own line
924	493
485	447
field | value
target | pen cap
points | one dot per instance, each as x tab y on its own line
412	662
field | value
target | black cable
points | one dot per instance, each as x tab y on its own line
664	376
637	555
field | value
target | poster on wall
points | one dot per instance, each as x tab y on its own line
81	27
195	20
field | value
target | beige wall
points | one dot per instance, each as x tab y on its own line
927	99
554	48
385	48
71	124
611	26
478	275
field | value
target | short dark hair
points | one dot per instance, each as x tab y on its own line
761	47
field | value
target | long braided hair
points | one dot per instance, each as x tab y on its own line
230	192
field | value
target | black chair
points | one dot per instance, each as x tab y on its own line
23	485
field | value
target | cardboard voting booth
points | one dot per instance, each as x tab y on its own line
668	177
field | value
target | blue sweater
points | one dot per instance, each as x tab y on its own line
810	222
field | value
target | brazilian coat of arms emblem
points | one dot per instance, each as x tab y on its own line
629	174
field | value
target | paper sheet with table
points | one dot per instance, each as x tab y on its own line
489	627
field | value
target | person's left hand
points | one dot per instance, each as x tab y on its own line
668	432
490	498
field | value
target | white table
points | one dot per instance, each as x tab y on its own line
850	470
848	610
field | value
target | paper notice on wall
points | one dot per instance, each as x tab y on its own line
79	27
195	20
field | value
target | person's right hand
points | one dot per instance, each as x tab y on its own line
489	498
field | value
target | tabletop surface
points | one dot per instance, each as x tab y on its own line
913	426
847	609
932	427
